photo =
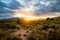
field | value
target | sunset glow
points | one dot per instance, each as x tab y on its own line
28	16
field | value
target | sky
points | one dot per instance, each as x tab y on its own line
29	8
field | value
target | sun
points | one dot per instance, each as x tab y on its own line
30	20
26	21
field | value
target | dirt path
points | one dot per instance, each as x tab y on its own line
22	33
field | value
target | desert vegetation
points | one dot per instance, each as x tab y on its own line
48	29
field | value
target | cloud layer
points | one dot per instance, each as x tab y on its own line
8	7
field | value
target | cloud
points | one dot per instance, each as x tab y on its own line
46	6
7	9
41	6
13	4
2	4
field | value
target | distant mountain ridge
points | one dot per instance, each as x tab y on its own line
55	18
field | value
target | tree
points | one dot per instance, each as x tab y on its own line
48	18
18	21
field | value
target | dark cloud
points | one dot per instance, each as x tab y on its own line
8	8
3	8
14	4
53	6
56	7
2	4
